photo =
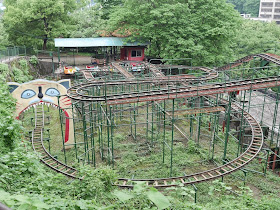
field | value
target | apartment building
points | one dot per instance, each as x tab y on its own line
270	10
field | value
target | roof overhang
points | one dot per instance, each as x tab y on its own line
96	42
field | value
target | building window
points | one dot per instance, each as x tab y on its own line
277	4
265	16
278	22
136	53
267	10
277	10
267	4
276	16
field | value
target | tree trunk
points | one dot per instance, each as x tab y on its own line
45	43
46	35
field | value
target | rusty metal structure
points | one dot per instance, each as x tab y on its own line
157	100
37	141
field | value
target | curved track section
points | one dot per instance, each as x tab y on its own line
265	56
232	166
157	73
211	74
38	146
78	92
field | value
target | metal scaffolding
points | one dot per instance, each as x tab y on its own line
223	110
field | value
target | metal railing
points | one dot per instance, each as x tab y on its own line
11	52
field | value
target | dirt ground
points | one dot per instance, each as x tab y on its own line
70	60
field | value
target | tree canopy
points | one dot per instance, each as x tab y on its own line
89	22
256	37
107	7
180	29
246	6
31	22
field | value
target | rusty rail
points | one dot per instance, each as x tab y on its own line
45	156
266	56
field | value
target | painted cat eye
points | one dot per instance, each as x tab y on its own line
52	92
28	94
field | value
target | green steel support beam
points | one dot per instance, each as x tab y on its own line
227	126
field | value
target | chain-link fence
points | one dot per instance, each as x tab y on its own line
12	52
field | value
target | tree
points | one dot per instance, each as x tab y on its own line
28	22
256	37
238	5
252	7
108	6
176	29
88	23
246	6
3	36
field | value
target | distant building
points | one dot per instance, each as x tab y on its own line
2	7
248	16
270	10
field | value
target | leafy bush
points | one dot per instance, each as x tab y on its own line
4	69
192	147
142	197
33	60
21	75
119	137
19	72
21	174
23	64
10	129
96	182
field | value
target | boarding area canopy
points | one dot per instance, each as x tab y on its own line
95	42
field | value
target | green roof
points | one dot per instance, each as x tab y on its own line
95	42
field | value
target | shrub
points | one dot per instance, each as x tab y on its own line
9	127
4	69
33	60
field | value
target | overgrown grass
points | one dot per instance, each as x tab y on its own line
27	184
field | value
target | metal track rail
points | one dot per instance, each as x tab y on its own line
45	156
203	110
88	75
78	93
251	152
124	72
156	72
211	74
268	57
230	167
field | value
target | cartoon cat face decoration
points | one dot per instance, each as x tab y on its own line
37	92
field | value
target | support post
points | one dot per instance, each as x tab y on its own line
227	127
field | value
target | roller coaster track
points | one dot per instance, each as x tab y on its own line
38	146
268	57
88	75
211	74
251	152
156	72
124	72
201	110
78	92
